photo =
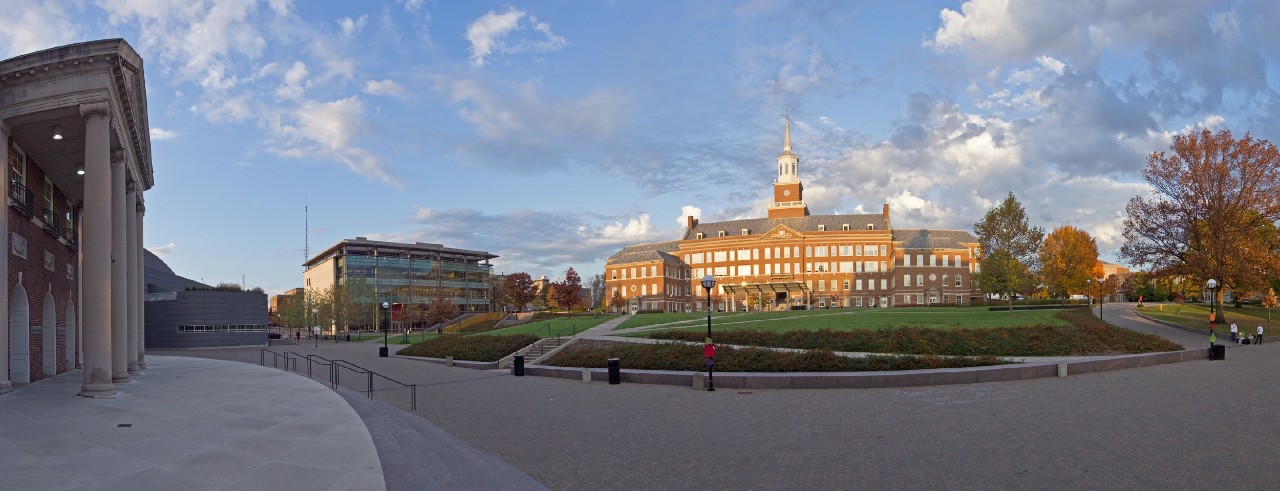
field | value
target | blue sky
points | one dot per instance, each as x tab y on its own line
553	133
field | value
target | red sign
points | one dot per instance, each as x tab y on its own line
709	351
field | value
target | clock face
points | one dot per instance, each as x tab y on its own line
933	277
786	192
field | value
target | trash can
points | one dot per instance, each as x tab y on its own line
1218	352
348	336
382	351
615	372
518	368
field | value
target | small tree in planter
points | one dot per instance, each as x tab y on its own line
1269	302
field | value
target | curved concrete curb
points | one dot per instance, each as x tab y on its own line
1170	324
867	380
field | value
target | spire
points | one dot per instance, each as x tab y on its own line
786	141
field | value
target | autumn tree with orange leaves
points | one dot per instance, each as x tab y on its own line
1212	212
1067	260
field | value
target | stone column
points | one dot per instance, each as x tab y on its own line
119	281
95	250
131	276
5	384
141	210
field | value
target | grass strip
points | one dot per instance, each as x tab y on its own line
1086	335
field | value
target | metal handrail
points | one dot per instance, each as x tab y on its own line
291	364
73	238
413	388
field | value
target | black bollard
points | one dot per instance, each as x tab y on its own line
518	368
615	372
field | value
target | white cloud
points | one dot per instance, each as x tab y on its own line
162	134
349	25
636	227
164	250
517	115
492	33
411	5
687	211
316	129
386	87
28	26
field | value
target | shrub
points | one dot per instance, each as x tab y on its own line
1088	336
472	348
688	357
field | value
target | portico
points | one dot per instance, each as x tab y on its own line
74	121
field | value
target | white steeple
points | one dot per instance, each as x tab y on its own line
788	163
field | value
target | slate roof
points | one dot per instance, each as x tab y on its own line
161	279
757	226
656	251
932	239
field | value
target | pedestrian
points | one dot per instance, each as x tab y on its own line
1235	336
297	337
1259	341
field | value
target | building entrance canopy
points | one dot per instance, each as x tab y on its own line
788	287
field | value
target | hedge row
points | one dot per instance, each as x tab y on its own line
1088	336
686	357
472	348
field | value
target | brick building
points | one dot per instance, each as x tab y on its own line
73	120
792	259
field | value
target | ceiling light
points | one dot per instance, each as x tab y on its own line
79	169
57	132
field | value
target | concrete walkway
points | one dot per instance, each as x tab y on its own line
186	423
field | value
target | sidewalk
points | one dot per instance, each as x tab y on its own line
186	423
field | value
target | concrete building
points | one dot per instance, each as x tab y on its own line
74	123
792	260
407	276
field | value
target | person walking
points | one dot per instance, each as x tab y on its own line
1235	336
1259	338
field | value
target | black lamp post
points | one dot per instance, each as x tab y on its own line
1212	285
315	315
1101	300
385	350
709	282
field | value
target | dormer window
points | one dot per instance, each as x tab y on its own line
746	231
721	234
871	226
822	228
700	235
845	226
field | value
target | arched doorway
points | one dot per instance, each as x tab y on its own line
49	336
69	349
19	336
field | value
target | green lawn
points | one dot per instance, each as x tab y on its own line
849	319
1196	316
566	326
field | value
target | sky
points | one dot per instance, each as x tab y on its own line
553	133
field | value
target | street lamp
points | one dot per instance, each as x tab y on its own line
385	350
709	282
1212	285
1100	299
315	316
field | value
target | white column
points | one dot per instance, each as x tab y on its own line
95	250
140	259
119	281
131	276
5	384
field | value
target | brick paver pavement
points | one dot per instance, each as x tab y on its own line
1194	425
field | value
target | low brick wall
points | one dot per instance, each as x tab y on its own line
478	365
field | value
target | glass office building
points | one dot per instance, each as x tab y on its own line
407	276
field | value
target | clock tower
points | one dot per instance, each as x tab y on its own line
788	199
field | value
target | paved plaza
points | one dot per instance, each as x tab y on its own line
1191	425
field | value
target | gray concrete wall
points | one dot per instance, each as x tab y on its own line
205	308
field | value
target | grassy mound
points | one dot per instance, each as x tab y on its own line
686	357
1086	336
471	348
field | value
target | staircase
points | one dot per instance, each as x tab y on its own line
537	350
